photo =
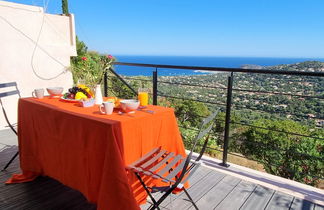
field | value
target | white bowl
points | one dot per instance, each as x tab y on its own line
129	105
55	91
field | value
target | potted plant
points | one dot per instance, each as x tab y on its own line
90	68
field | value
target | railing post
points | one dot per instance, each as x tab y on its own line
106	83
227	119
155	79
123	81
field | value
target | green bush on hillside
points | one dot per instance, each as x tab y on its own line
291	156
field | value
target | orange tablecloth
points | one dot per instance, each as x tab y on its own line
88	151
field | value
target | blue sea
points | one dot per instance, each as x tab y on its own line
230	62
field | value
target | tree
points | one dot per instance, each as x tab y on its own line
295	157
65	7
189	112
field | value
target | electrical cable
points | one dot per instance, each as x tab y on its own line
37	46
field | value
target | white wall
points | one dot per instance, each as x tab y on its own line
35	50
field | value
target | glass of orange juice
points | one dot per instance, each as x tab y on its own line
143	96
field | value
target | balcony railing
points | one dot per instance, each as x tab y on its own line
233	90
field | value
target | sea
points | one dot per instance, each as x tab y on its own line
229	62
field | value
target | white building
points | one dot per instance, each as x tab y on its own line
35	50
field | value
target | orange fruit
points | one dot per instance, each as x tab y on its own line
115	100
117	103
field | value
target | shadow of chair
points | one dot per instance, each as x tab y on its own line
6	94
170	167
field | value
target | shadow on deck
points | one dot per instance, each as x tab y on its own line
43	193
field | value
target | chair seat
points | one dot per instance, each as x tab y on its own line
159	164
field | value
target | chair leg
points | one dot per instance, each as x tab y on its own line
193	203
154	205
10	161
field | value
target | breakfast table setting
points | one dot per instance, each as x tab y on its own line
87	145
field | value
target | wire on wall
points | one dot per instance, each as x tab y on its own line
39	47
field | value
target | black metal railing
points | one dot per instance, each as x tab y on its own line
228	105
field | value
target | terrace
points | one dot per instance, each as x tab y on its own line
212	187
217	185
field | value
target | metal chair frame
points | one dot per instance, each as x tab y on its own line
2	95
146	166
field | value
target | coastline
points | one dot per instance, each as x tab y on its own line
225	62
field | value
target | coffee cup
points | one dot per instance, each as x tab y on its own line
38	93
106	107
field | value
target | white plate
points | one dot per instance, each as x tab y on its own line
69	100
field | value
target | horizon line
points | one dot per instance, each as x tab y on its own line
219	56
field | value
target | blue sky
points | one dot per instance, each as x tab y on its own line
260	28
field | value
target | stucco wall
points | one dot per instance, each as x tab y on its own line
35	50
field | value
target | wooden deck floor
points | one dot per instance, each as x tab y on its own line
209	188
213	190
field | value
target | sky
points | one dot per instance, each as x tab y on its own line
244	28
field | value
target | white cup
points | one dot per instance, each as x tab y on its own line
106	107
38	93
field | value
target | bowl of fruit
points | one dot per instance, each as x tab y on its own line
78	93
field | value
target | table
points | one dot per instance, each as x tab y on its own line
88	151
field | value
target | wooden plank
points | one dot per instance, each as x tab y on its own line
219	191
169	166
145	206
200	174
236	198
191	171
144	158
8	141
280	201
18	196
175	171
9	93
300	204
8	84
43	193
258	199
6	133
157	166
50	194
197	191
152	160
197	176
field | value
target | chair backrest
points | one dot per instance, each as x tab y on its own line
5	94
205	128
203	131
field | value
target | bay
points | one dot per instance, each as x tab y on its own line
229	62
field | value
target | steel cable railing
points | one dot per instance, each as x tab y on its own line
238	107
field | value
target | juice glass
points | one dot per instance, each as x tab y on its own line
143	96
